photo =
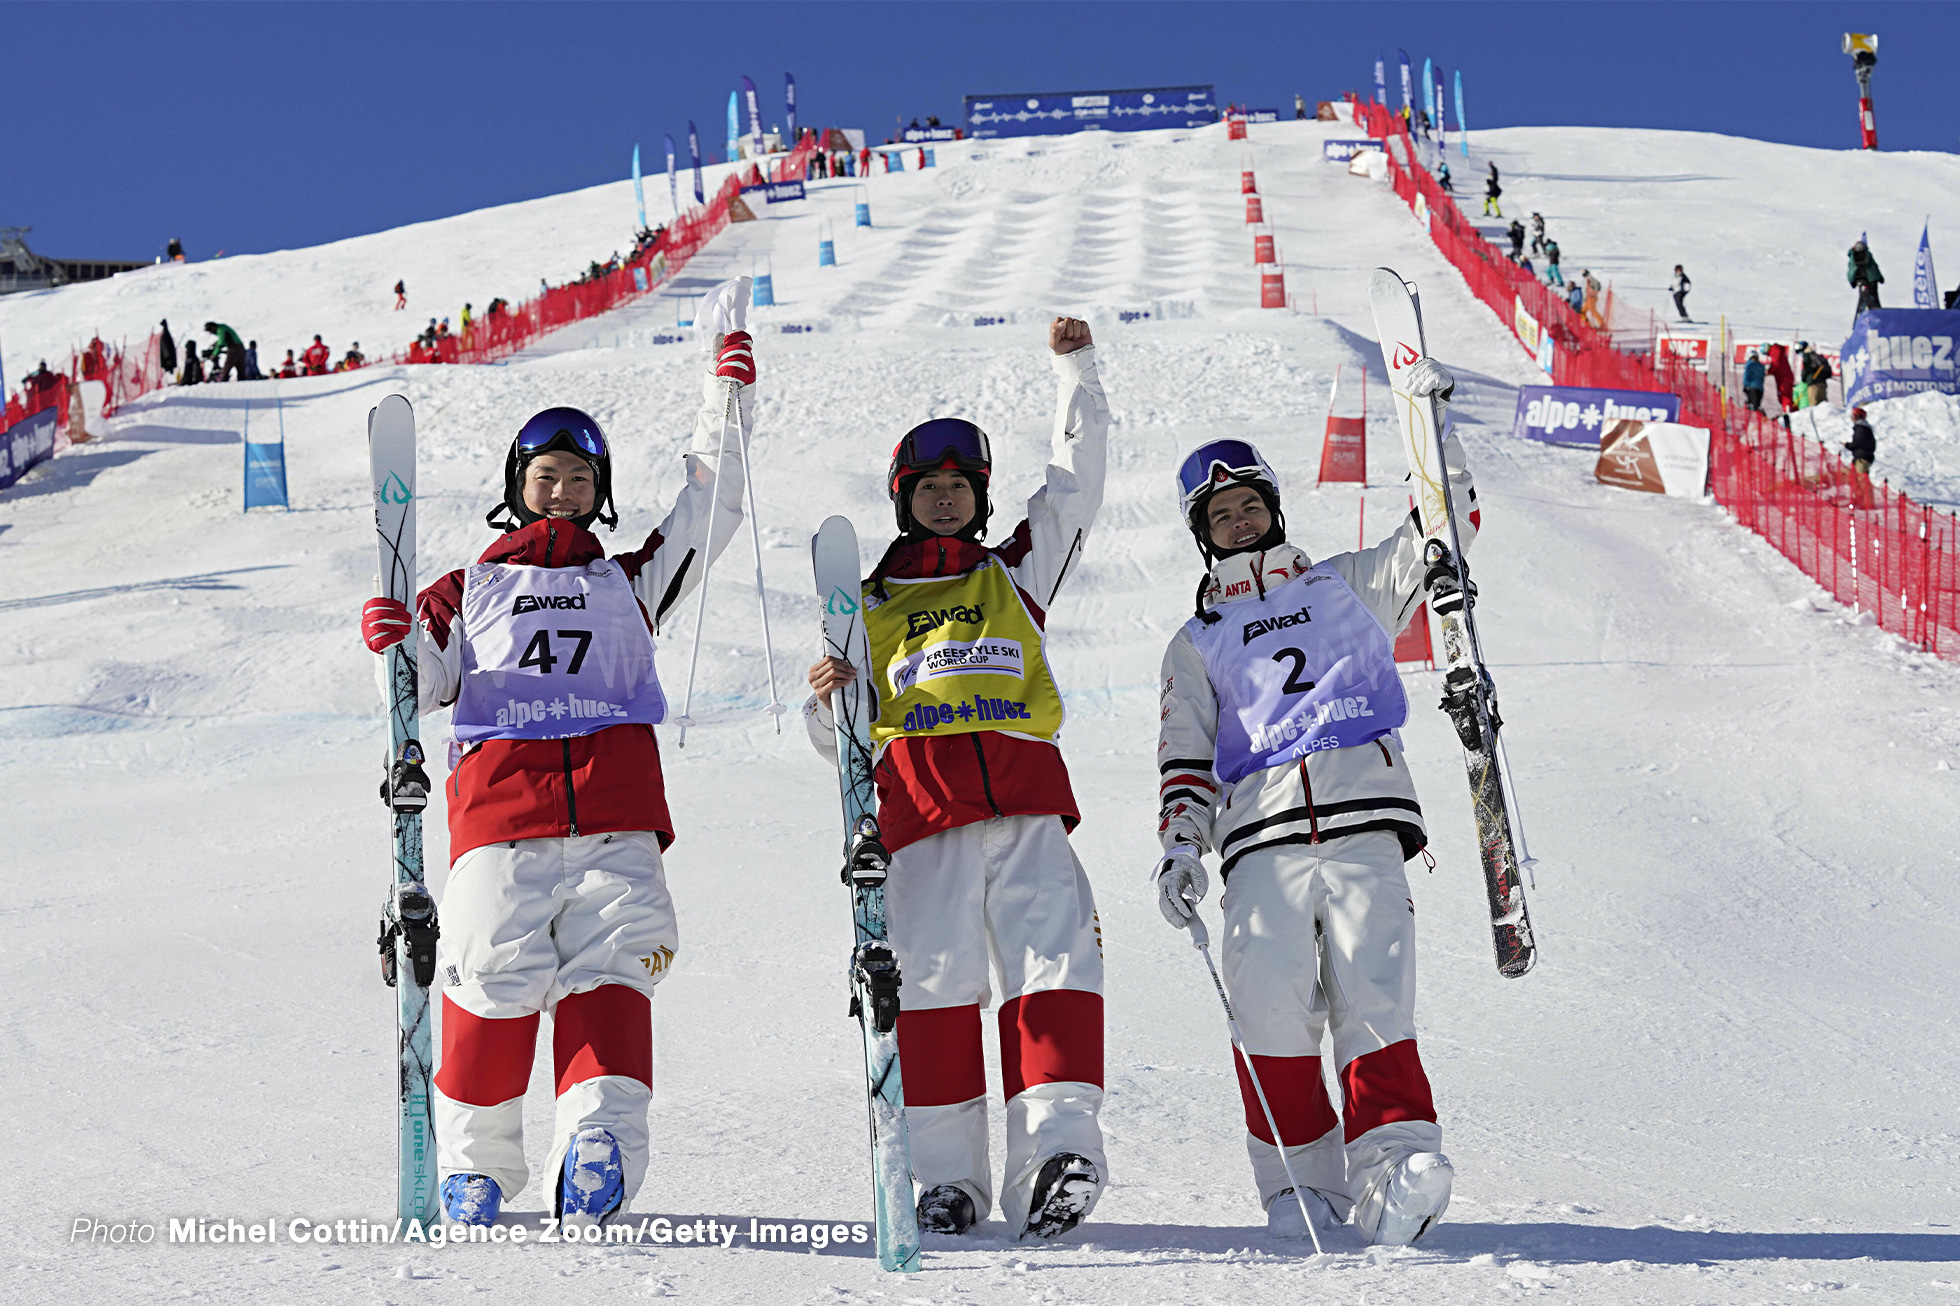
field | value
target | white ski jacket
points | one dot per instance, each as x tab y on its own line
1328	794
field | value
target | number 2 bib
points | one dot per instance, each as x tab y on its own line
1307	668
553	652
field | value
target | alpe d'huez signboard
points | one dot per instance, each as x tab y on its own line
1055	112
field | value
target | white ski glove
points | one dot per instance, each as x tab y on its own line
1181	885
1429	377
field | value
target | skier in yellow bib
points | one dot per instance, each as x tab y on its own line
975	805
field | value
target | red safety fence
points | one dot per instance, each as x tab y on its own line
128	374
1871	546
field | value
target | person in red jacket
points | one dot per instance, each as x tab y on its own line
557	899
316	357
975	805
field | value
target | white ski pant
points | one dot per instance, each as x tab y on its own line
582	928
1322	936
1009	891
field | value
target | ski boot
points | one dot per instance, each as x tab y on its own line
471	1199
1063	1193
1405	1200
593	1184
1284	1221
945	1209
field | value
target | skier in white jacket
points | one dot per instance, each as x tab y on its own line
1278	751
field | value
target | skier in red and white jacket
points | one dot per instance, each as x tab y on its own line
1278	750
557	898
975	805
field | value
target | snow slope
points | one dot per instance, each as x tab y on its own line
1731	1079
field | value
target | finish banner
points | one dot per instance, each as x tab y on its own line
1901	351
1576	415
1054	113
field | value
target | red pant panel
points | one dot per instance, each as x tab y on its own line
484	1061
1386	1086
939	1052
1054	1036
603	1031
1296	1093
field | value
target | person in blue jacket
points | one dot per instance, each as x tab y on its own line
1753	375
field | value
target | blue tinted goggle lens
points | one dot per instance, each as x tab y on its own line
1234	456
934	441
536	435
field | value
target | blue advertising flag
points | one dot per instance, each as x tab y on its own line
734	128
1462	128
1925	286
673	182
1381	81
755	116
789	91
694	152
1408	95
1893	352
1429	92
639	192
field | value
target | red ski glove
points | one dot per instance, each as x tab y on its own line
384	623
736	361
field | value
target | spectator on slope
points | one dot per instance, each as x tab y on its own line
252	372
166	351
1524	265
1575	296
975	804
316	356
556	901
1537	233
1862	272
1313	814
1816	377
401	295
175	250
1786	380
1552	274
1516	232
1299	107
193	373
1753	375
355	358
1863	445
1422	123
1590	308
288	369
1679	287
1491	191
467	321
41	380
227	353
1443	179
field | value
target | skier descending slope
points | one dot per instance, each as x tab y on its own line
1281	694
975	805
557	900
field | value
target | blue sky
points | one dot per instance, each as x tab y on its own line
255	126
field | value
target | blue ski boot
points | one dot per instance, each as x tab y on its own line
471	1198
593	1182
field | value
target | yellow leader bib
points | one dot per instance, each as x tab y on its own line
958	655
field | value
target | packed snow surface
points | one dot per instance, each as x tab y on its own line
1731	1078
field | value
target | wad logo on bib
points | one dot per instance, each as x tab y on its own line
547	602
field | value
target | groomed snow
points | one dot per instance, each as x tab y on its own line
1731	1078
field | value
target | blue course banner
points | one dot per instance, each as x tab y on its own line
1053	113
776	191
1575	415
914	135
26	442
1342	151
1901	351
1261	115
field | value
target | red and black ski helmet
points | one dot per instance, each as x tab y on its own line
942	444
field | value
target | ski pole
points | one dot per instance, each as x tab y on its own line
1201	940
684	720
776	706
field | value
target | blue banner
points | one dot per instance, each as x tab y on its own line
914	135
1381	82
777	191
26	443
1901	351
673	183
694	152
1429	93
1408	92
734	130
1462	128
1925	285
1342	151
1049	114
639	193
265	475
789	84
1575	415
755	117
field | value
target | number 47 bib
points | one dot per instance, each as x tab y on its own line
553	652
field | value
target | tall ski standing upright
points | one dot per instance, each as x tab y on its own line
874	966
1469	695
408	918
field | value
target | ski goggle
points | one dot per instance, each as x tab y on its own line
1217	463
574	426
944	442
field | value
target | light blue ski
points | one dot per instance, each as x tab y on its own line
408	918
874	966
